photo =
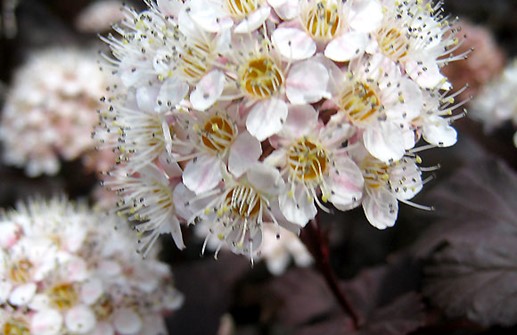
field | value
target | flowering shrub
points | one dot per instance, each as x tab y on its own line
65	270
239	114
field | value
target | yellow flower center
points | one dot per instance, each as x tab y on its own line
375	173
261	77
393	43
63	296
360	102
218	134
19	272
243	201
307	160
242	8
196	60
322	19
16	327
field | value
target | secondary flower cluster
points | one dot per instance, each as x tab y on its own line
65	270
53	106
236	114
496	103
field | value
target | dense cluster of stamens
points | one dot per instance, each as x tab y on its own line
307	160
261	77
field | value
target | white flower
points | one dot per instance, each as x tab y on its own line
146	199
385	185
236	213
416	34
376	98
313	160
217	143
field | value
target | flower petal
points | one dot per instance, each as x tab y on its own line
80	319
208	90
46	322
244	152
202	173
307	82
293	43
380	208
347	46
253	21
22	294
300	121
173	90
346	184
266	118
385	141
438	131
126	321
297	206
365	15
265	178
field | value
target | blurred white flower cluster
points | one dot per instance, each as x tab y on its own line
52	107
496	102
66	270
240	113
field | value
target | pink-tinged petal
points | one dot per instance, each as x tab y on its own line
438	131
80	319
297	207
126	321
9	234
46	322
182	197
380	208
244	152
384	141
346	185
347	46
293	43
301	120
285	9
265	178
307	82
208	90
108	268
253	21
276	158
146	97
266	118
22	294
173	90
202	173
427	74
365	15
210	16
91	290
407	106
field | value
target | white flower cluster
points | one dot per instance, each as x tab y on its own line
496	102
240	113
65	270
52	106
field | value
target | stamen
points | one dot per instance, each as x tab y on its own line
360	102
261	77
242	8
308	161
322	19
218	134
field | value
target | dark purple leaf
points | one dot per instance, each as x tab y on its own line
472	254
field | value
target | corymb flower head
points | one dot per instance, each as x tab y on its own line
241	115
64	269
